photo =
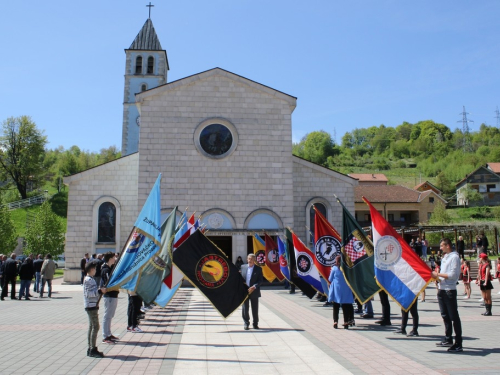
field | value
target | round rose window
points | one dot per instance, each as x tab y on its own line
216	139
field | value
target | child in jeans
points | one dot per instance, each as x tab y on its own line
91	298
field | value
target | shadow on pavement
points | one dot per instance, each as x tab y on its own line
473	352
263	330
144	344
132	358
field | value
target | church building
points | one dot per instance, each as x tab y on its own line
223	144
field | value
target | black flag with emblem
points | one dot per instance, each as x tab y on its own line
209	270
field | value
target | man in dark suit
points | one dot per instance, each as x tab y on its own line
9	277
252	274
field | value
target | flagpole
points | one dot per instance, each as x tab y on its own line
116	263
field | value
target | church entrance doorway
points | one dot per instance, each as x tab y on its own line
225	243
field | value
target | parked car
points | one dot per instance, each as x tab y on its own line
60	261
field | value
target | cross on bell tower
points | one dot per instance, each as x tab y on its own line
149	6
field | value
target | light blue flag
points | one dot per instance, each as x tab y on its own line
143	243
283	259
166	294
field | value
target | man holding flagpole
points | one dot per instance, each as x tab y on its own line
447	296
252	275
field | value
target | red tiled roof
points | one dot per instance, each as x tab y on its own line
369	176
428	183
389	194
495	167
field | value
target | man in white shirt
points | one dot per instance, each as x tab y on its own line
252	274
447	296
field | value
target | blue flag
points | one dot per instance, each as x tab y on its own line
143	243
283	259
166	294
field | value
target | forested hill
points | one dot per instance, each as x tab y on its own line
433	150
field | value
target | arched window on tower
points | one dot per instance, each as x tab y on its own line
151	64
143	87
138	65
106	227
321	208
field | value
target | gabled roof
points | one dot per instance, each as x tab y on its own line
428	183
495	167
321	169
292	100
147	38
474	171
390	194
371	177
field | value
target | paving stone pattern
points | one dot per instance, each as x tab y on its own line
48	336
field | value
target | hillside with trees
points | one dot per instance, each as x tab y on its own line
426	150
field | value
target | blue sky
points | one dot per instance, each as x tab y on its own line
350	64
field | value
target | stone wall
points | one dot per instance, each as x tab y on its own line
116	180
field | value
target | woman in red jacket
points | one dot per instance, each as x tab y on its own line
484	282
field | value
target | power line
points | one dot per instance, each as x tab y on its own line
467	142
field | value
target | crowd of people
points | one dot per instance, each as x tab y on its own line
41	269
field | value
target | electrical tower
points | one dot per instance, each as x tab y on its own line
497	113
467	143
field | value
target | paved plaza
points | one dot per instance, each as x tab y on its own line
48	336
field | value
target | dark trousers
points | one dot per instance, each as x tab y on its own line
5	287
255	310
449	311
134	305
83	277
347	311
386	307
414	315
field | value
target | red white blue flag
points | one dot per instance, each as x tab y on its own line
306	269
398	269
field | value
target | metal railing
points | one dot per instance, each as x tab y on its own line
39	199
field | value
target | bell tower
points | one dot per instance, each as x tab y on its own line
146	67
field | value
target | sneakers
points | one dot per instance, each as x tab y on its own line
114	338
481	299
456	348
95	353
412	334
143	310
466	297
137	330
107	340
400	332
445	343
129	329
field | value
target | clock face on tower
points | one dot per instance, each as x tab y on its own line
138	120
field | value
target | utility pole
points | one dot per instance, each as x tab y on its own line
497	113
467	143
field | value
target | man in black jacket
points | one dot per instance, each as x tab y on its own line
83	263
9	276
252	274
110	299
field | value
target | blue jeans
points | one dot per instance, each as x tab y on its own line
368	308
449	312
49	283
36	288
25	288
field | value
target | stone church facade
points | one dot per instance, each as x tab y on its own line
223	144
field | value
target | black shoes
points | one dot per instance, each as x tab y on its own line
328	304
412	334
95	353
445	343
246	327
383	323
256	326
367	316
456	348
400	332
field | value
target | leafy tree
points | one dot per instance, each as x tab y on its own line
440	216
45	234
318	146
472	195
22	148
8	232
